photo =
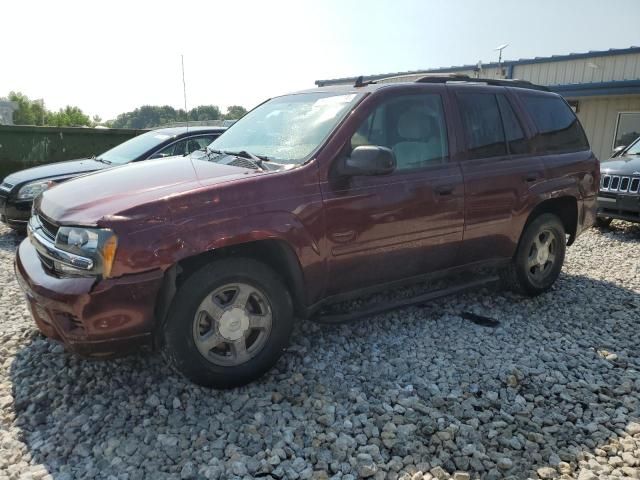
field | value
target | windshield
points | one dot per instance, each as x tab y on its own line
287	129
634	149
132	149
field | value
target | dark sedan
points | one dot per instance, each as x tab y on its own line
619	196
18	190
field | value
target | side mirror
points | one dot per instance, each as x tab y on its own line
368	160
618	150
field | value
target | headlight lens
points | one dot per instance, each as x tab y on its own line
32	189
98	244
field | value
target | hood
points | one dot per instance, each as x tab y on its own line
88	199
624	165
60	169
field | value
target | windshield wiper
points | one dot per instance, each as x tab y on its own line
249	155
258	159
101	160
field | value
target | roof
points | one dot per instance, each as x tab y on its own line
505	63
342	88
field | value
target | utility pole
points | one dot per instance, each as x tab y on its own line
500	49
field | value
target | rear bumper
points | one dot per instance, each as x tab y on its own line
621	207
91	317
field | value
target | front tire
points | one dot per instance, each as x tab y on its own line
539	257
229	323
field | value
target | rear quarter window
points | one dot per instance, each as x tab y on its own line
557	125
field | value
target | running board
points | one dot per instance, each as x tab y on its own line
443	292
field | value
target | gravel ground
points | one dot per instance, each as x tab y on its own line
553	391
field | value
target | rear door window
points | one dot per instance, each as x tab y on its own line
557	125
482	124
516	141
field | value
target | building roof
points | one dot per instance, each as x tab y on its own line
505	63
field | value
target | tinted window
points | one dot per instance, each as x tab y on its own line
558	127
413	126
483	125
516	140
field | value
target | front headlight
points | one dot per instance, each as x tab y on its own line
97	244
32	189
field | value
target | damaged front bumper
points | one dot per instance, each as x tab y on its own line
90	316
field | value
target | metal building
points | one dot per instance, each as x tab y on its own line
6	112
602	86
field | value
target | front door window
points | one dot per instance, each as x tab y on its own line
412	126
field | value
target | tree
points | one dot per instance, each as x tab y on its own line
143	117
33	112
149	116
205	112
68	117
29	112
234	112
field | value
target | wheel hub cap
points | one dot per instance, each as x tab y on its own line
543	255
234	323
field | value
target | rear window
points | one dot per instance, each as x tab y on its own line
558	127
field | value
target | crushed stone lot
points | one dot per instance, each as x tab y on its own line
551	391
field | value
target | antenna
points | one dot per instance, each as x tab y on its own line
500	49
184	91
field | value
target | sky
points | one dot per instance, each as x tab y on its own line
111	57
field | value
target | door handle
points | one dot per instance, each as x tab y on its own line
442	191
530	178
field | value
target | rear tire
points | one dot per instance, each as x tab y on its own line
229	323
539	257
603	222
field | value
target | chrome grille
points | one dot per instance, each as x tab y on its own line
620	183
615	183
6	186
624	184
50	229
47	262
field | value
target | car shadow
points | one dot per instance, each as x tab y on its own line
554	380
9	239
621	231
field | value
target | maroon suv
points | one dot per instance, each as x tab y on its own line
311	198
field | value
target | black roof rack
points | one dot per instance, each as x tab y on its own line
457	77
360	83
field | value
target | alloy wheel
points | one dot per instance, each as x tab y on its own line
542	255
232	324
